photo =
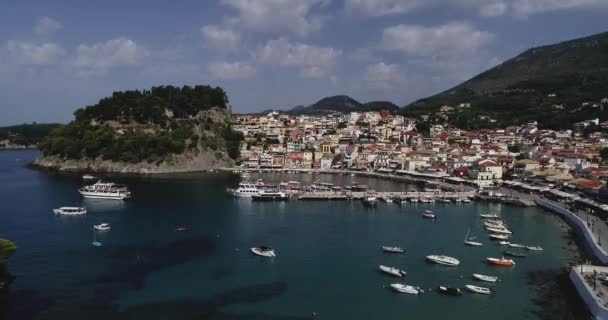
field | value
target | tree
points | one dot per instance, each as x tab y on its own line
604	154
516	148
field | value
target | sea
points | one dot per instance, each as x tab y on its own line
327	261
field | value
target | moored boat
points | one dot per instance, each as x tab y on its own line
370	199
535	248
468	242
105	190
244	190
102	227
516	245
488	216
449	291
264	251
499	236
484	277
70	211
500	262
476	289
503	243
403	288
499	230
392	249
392	271
443	260
265	195
428	215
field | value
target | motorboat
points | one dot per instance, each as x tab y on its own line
449	291
70	211
499	230
388	199
468	242
102	227
244	190
105	190
484	277
503	243
88	177
488	216
443	260
476	289
500	225
445	200
499	236
424	200
515	254
428	215
414	200
500	262
392	249
516	245
466	200
264	252
266	195
403	288
535	248
392	271
370	199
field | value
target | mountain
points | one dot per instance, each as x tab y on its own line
344	104
549	84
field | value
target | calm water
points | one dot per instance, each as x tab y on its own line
328	253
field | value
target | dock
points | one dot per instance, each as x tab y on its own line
349	195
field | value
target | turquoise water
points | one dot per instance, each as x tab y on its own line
328	253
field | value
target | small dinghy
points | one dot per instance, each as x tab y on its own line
264	252
515	254
476	289
536	248
102	227
449	291
392	271
392	249
403	288
484	277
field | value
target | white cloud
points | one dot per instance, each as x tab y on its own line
47	26
277	15
101	56
26	53
382	75
231	70
524	8
313	60
313	72
493	9
378	8
447	39
221	38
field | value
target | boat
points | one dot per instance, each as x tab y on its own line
516	245
494	225
484	277
403	288
264	251
500	262
392	271
466	200
536	248
102	227
388	199
476	289
431	200
499	236
266	195
392	249
95	243
488	216
443	260
244	190
370	199
88	177
499	230
503	243
428	215
449	291
414	200
468	242
515	254
105	190
423	200
445	200
457	200
70	211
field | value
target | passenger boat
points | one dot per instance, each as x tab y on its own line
476	289
392	249
515	254
102	227
449	291
500	262
392	271
266	195
468	242
264	251
499	236
370	199
499	230
484	277
489	216
70	211
443	260
403	288
428	215
516	245
88	177
536	248
105	190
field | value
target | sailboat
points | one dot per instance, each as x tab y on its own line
468	242
95	242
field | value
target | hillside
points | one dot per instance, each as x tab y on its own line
164	129
556	85
25	134
344	104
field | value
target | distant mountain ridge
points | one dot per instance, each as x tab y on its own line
339	103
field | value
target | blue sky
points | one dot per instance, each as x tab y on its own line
57	56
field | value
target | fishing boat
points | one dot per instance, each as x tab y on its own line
449	291
476	289
500	262
499	230
536	248
70	211
392	249
443	260
499	236
488	216
102	227
403	288
264	251
428	215
516	245
484	277
392	271
468	242
503	243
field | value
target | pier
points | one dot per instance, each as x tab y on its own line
349	195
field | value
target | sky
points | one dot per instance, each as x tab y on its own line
57	56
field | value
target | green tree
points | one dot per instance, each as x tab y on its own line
604	154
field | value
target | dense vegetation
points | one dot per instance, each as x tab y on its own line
548	84
343	104
26	134
146	130
7	248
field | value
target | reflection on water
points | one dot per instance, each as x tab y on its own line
103	205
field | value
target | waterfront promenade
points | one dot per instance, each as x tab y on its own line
347	195
592	289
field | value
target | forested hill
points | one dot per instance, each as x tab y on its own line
148	126
344	104
557	85
25	134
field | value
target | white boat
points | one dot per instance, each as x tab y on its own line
476	289
494	225
370	199
403	288
70	211
102	227
468	242
392	271
392	249
466	200
489	216
503	243
516	245
424	200
264	252
444	260
388	199
499	230
245	190
499	236
266	195
88	177
534	248
105	190
445	200
484	277
414	200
